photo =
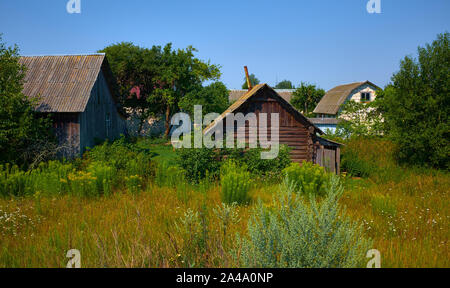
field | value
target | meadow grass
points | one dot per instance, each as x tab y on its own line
146	223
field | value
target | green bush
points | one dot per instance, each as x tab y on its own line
133	183
197	163
121	154
236	183
48	179
299	233
169	176
266	167
83	184
104	177
307	178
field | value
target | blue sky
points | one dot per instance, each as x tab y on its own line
325	42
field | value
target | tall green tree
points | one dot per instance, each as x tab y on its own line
417	105
213	98
285	84
20	125
163	75
255	81
306	97
180	72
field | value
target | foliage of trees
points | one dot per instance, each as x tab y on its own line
360	119
213	98
285	84
416	105
20	127
255	81
306	97
164	76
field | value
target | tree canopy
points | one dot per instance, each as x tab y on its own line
285	84
20	126
306	97
255	81
416	105
163	77
213	98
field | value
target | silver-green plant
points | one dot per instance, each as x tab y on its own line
228	215
300	232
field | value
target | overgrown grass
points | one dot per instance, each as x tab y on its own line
155	219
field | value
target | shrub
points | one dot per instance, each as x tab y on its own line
168	176
266	167
198	162
307	178
104	177
122	155
83	184
296	233
133	183
49	178
13	181
236	183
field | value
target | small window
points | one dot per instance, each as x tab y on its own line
366	97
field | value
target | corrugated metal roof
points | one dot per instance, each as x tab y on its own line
334	98
286	94
62	83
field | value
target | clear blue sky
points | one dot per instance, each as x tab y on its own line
326	42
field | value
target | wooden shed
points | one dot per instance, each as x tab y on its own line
295	130
79	92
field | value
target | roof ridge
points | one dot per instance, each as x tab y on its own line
65	55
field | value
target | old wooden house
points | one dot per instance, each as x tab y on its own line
329	109
295	130
79	92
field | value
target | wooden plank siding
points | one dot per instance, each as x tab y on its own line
100	120
291	131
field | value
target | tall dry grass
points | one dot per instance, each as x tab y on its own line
406	213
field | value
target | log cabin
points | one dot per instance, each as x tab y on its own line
295	130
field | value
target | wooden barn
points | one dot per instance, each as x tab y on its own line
295	130
79	92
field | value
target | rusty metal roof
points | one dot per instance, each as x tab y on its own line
62	83
334	98
286	94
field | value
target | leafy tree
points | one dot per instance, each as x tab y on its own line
255	81
417	105
285	84
213	98
306	97
163	75
360	119
20	126
134	68
180	73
